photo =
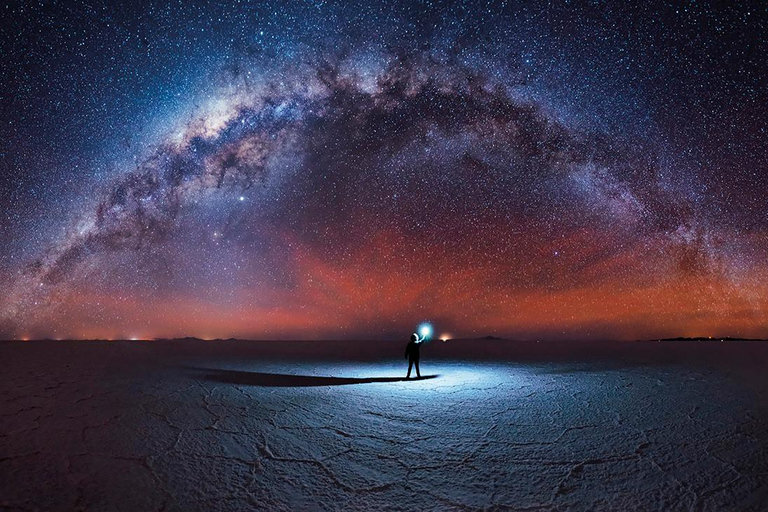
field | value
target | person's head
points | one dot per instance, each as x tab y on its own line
414	337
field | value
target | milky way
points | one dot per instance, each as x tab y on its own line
346	190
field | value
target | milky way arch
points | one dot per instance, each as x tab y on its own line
333	196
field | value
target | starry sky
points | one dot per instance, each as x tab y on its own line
318	169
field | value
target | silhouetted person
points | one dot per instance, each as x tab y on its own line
412	354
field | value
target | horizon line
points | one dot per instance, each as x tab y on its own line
387	339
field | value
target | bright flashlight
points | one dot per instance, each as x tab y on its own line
425	331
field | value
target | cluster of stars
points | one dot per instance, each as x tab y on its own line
306	169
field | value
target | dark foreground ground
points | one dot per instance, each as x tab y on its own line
327	425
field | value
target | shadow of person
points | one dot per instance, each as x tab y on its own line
243	378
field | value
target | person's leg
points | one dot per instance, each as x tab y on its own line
418	373
410	365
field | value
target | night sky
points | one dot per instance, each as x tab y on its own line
348	170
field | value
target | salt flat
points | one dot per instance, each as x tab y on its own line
327	425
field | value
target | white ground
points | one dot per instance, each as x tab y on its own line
196	426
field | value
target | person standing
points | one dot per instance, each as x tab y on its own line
412	354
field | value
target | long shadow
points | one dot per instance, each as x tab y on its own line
294	381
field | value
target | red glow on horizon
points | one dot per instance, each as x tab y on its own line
381	290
